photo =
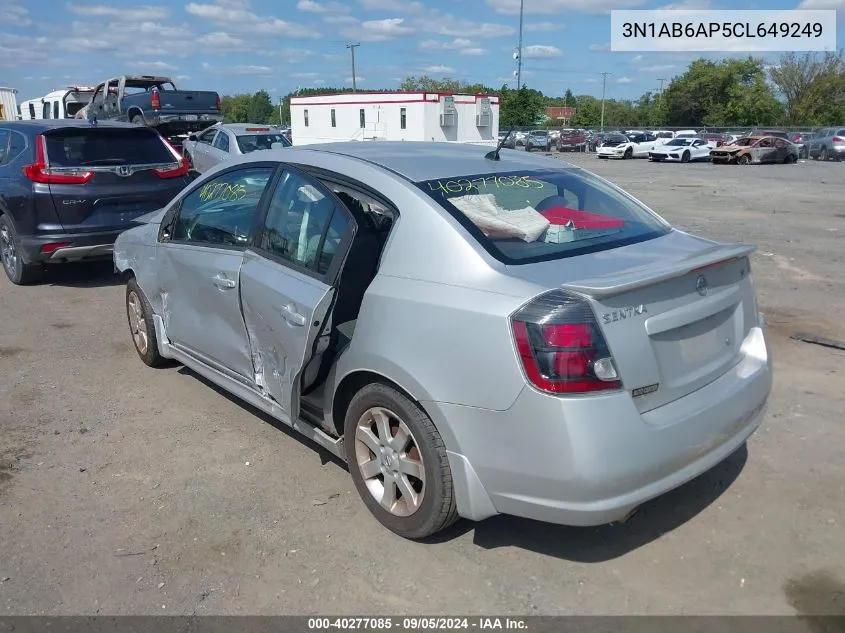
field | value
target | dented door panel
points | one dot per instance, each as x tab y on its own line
284	311
201	305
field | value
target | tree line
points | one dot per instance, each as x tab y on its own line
799	90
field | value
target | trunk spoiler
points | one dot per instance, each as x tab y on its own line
618	283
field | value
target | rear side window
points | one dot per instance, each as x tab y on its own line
221	142
524	217
75	147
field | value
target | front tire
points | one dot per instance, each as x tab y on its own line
398	463
685	157
19	272
139	313
743	160
628	154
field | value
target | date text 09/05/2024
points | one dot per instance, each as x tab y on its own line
422	623
721	29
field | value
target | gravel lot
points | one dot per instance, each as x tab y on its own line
127	490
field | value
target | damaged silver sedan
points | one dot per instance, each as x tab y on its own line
473	334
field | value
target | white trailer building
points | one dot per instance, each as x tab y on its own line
8	104
395	116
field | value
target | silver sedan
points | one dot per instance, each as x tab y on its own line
224	141
473	333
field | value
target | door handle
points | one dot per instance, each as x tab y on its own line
224	282
292	316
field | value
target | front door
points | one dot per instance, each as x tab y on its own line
203	247
287	281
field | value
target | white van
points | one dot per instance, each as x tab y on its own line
59	104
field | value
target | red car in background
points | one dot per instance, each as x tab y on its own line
572	140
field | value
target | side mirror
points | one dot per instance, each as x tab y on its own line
192	137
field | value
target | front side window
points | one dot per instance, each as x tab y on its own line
523	217
207	137
221	212
304	225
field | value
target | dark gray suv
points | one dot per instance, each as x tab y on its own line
69	187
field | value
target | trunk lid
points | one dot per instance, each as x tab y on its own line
123	184
674	310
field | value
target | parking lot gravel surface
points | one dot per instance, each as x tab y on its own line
128	490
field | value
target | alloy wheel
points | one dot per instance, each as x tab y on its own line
7	250
390	462
137	322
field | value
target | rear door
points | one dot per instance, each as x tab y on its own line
111	175
287	281
219	150
202	148
202	247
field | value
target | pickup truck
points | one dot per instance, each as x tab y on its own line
155	102
572	141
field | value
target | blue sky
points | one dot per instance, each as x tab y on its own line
242	45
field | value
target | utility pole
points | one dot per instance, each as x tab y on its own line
660	103
603	86
519	50
352	46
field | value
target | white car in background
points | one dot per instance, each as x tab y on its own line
686	134
682	150
663	136
630	145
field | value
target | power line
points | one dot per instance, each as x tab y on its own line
352	46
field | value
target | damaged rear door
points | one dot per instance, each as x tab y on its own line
202	248
287	282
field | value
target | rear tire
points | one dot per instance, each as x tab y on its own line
139	313
137	119
418	465
823	154
19	272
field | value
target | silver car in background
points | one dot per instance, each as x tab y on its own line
473	333
224	141
828	143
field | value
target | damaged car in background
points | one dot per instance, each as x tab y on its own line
573	357
756	150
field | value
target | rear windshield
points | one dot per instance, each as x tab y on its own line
531	216
251	142
75	147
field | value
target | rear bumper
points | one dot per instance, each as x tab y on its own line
593	460
75	246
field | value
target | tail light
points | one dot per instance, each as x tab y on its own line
217	101
52	247
561	346
155	100
182	168
41	172
838	139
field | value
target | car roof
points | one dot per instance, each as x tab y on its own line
243	127
40	125
421	160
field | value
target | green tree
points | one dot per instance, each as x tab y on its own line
260	107
235	108
569	99
824	101
798	79
523	107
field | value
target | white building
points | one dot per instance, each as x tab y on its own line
395	116
8	104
